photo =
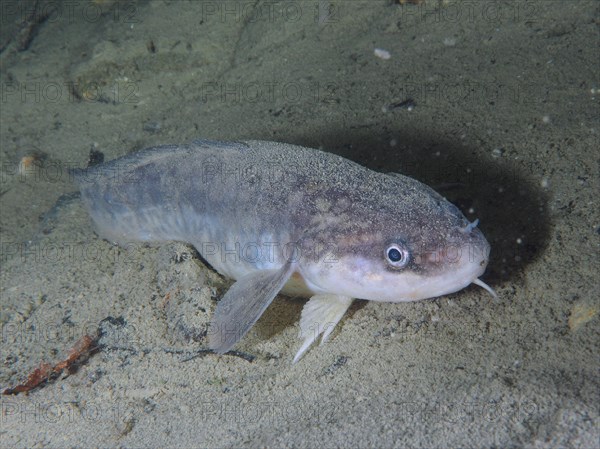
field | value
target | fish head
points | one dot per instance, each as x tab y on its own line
406	248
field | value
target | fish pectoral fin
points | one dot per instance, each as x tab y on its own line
243	304
320	316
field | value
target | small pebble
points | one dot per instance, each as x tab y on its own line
381	53
497	152
449	41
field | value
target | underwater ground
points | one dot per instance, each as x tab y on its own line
494	103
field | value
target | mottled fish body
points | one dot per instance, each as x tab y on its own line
279	217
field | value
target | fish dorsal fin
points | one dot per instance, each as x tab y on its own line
243	304
320	316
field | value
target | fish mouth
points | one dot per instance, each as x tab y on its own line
450	281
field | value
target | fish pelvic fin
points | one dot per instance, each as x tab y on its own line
320	315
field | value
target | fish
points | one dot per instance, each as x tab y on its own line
281	218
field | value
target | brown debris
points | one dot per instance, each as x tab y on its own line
45	372
581	313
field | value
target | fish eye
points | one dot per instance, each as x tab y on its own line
396	256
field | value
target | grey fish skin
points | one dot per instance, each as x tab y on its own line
279	217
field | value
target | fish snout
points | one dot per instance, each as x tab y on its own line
459	248
476	247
